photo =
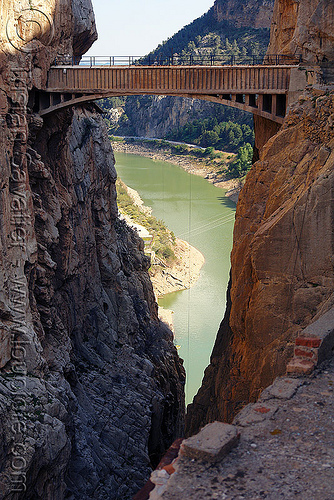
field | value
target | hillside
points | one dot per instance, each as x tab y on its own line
215	33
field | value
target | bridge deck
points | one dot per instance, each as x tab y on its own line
172	79
260	89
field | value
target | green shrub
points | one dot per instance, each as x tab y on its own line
163	238
179	149
243	162
167	253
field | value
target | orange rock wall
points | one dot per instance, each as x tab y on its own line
256	13
306	28
282	266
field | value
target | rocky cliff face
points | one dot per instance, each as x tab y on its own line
282	276
255	13
306	29
156	116
91	387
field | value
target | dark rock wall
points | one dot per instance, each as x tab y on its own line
122	368
91	386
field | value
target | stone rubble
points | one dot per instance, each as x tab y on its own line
212	443
286	454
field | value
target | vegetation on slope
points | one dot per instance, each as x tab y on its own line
209	125
208	36
224	136
163	239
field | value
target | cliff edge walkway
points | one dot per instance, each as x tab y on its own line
286	449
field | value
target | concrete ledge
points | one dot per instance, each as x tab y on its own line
254	413
282	388
212	443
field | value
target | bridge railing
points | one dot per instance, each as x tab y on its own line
176	60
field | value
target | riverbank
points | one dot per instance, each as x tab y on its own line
179	273
194	210
182	274
191	164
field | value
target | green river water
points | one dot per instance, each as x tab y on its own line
199	213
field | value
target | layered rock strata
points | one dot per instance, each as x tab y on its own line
282	269
91	387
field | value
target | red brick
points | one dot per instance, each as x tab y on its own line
300	366
262	409
165	463
308	341
170	469
304	353
170	454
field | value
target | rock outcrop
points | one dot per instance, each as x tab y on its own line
155	116
282	269
255	13
306	29
91	386
84	29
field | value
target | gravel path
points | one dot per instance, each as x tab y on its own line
289	455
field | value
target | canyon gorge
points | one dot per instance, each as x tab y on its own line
156	116
91	385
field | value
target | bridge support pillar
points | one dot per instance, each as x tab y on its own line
274	104
298	82
264	130
260	102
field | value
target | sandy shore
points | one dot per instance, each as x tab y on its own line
184	272
186	269
188	163
182	275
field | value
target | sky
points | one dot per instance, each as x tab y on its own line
135	27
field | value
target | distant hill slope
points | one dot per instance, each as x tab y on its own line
228	28
246	26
